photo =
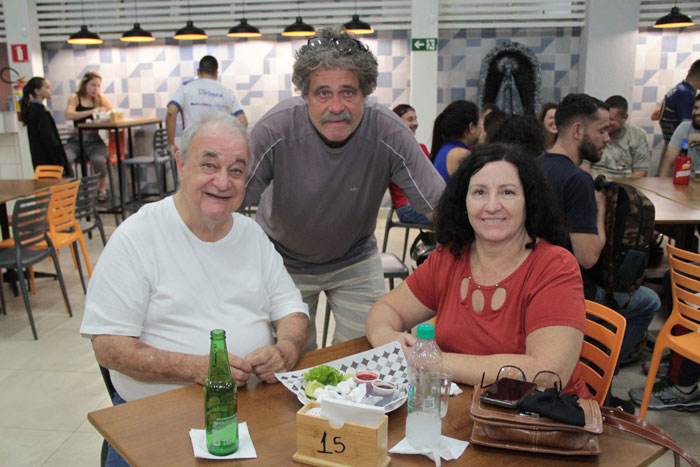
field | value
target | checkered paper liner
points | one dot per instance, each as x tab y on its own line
387	360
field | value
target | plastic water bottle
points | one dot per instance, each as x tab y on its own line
423	424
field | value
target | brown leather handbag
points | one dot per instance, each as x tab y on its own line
506	428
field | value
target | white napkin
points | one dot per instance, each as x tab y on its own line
246	450
338	412
448	449
454	390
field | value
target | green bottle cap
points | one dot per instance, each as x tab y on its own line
425	331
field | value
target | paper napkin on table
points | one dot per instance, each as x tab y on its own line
454	390
246	450
448	449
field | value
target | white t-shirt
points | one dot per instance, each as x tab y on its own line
198	97
157	281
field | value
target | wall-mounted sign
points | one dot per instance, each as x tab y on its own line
424	44
20	53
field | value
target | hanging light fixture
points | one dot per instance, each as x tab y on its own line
137	34
299	28
243	29
84	36
675	19
356	26
190	32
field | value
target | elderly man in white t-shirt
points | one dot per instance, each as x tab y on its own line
188	264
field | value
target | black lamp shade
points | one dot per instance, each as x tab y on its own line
243	29
190	32
137	34
675	19
298	29
356	26
85	37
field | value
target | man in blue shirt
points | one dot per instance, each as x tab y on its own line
678	102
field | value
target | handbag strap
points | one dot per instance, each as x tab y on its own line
632	424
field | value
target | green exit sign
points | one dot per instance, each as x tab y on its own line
424	44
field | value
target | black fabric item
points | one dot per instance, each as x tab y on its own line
550	404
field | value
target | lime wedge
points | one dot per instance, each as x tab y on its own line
311	387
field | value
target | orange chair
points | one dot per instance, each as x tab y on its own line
601	348
64	229
685	313
48	171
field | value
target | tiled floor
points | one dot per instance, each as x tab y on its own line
48	386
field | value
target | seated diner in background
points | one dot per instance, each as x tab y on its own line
688	130
80	108
500	287
547	119
455	133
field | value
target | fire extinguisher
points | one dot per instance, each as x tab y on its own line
17	91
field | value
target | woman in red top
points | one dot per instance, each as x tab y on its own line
502	291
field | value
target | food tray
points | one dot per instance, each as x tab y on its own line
387	360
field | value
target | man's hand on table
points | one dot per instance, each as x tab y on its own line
268	360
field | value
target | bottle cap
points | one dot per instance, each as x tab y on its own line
218	333
425	331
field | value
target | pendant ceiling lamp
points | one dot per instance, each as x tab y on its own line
190	32
675	19
243	29
299	28
84	36
357	26
137	34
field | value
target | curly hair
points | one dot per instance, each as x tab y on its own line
543	218
361	61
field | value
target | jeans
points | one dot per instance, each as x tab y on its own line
408	215
351	292
95	151
113	457
639	309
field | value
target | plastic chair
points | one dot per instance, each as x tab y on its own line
29	229
392	269
86	206
390	223
160	158
64	229
48	172
601	348
685	313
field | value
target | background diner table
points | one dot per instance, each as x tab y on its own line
128	124
155	430
677	206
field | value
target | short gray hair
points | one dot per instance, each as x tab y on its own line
215	118
361	61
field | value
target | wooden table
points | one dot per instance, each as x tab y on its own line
155	430
677	206
127	124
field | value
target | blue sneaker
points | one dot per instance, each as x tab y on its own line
665	396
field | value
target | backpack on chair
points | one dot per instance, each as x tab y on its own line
422	246
629	233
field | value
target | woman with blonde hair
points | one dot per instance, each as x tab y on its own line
81	107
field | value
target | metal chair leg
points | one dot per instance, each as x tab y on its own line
80	268
2	296
59	274
27	305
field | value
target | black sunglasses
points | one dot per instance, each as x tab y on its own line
344	45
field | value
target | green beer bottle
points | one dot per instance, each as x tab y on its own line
220	404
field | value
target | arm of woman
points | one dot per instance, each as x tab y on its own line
105	104
553	348
393	314
71	113
454	158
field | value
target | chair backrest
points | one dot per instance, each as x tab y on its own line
30	220
86	202
62	207
48	172
160	143
601	348
685	284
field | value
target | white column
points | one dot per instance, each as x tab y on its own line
608	48
424	24
21	28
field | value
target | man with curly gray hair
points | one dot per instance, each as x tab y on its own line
332	155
